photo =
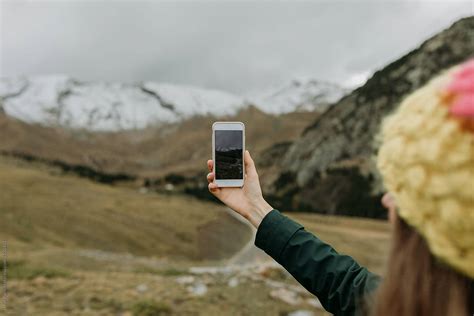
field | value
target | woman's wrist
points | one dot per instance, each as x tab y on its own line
261	209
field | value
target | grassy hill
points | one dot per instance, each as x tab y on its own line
40	207
153	152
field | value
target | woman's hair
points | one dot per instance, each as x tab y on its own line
417	284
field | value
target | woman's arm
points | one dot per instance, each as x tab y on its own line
337	280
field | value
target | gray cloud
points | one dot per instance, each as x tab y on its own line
235	46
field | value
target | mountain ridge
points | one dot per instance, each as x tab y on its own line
330	168
113	106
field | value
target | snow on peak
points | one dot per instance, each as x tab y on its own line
196	101
299	95
102	106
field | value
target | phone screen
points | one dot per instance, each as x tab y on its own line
228	155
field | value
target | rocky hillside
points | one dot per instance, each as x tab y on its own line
98	106
330	168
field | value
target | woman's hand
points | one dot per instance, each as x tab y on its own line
248	200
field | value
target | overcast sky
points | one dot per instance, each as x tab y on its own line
236	46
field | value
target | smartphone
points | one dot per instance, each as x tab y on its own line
228	147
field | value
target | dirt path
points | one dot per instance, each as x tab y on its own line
249	254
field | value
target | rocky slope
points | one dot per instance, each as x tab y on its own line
98	106
330	168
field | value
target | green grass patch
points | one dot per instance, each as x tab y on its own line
172	272
20	270
150	308
163	272
98	303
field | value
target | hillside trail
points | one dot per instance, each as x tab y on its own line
248	260
249	254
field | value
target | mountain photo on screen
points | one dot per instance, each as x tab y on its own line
229	162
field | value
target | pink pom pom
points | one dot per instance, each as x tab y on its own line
463	105
467	69
461	85
462	89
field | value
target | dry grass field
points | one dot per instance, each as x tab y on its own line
76	247
40	208
366	240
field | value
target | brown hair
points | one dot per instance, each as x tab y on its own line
417	284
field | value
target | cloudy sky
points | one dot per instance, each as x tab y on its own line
240	47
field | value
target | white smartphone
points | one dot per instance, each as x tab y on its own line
228	147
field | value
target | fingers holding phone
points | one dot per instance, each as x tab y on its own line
210	177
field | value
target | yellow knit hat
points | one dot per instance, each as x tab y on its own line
427	162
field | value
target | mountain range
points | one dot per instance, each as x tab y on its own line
314	150
100	106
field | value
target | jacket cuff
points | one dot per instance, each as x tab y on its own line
274	232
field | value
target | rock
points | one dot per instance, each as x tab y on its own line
185	279
212	270
272	272
285	295
314	302
233	282
142	288
301	312
330	168
197	289
40	280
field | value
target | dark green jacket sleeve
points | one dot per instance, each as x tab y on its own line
338	281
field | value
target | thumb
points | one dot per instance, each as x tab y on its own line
249	165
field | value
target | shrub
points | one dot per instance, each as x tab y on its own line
150	308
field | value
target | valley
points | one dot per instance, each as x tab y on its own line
76	247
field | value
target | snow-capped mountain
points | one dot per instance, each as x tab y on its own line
299	95
66	102
99	106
